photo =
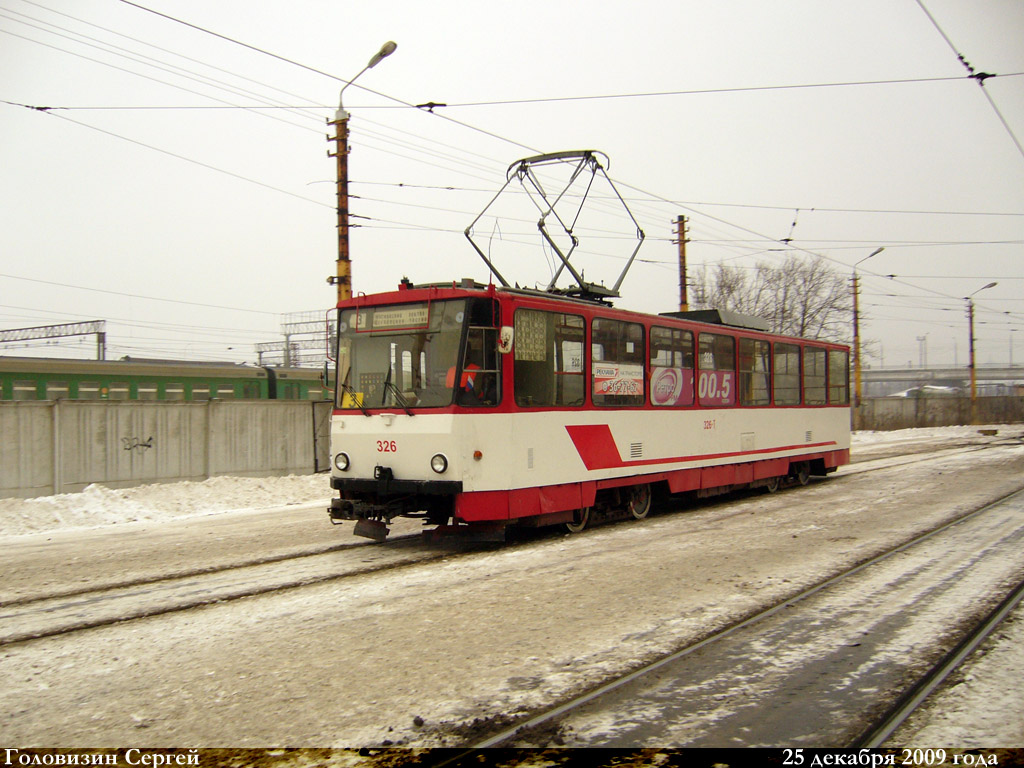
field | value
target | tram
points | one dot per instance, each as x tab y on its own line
482	407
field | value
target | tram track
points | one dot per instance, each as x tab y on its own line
37	617
59	612
860	465
688	677
186	573
917	694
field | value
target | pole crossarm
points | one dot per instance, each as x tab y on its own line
97	328
317	326
54	331
279	346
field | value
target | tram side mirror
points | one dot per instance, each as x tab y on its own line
505	339
325	375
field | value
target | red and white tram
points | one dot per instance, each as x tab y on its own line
482	407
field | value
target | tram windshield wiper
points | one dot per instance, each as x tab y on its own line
347	389
402	401
399	397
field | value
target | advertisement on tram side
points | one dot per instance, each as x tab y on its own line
671	386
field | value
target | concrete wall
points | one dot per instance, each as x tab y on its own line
62	446
885	413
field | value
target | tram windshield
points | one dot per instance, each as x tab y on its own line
408	355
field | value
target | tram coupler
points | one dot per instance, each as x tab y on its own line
340	511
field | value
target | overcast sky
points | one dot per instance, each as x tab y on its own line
145	196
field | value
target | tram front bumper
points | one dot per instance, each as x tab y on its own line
384	497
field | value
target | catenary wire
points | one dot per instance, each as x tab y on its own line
980	77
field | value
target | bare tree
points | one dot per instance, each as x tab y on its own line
798	297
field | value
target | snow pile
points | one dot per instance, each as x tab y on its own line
896	437
98	505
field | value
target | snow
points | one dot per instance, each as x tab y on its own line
868	437
98	506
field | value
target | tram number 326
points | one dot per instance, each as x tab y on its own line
386	446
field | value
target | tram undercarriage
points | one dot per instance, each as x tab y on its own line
373	504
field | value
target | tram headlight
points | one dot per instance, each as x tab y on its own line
439	463
341	461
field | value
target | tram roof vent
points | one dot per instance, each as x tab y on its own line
467	283
722	317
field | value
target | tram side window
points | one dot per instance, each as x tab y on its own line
481	376
717	361
838	377
548	358
617	364
671	366
814	376
755	368
787	374
480	383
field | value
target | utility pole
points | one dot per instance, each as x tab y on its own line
858	387
684	305
974	378
857	382
343	276
970	329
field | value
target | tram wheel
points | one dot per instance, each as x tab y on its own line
580	518
638	501
773	484
802	473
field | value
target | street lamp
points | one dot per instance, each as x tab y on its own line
343	277
970	326
857	388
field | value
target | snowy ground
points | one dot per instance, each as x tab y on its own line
507	629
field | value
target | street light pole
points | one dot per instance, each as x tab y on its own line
970	328
343	276
857	386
